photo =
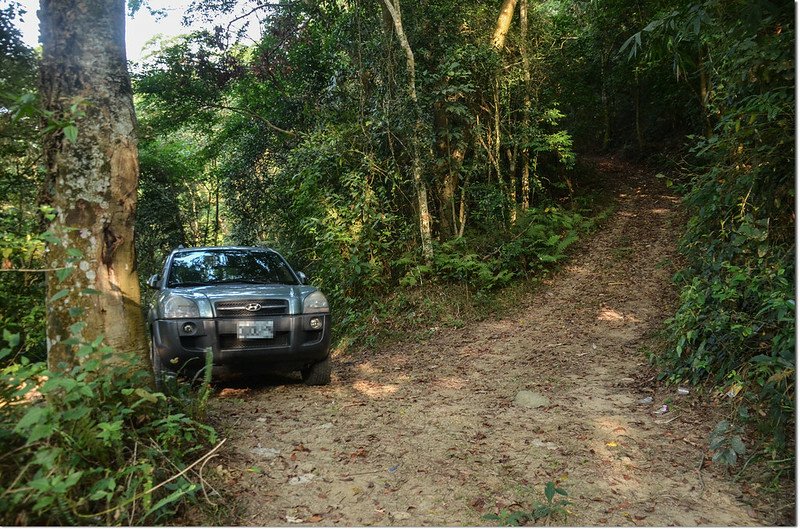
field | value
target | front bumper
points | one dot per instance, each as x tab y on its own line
182	344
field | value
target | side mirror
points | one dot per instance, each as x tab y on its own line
153	281
303	278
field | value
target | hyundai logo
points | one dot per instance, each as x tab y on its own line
253	307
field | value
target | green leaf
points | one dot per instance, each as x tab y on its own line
175	496
42	503
70	133
549	491
64	292
75	414
64	273
77	327
73	478
146	395
41	431
33	416
11	339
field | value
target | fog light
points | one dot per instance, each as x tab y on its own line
188	327
315	323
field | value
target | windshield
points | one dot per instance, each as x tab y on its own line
210	267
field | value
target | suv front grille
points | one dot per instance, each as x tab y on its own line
238	309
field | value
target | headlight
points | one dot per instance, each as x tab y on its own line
315	302
180	307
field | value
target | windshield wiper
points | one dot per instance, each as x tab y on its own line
246	281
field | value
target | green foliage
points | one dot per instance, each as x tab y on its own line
555	505
541	236
726	443
22	293
94	445
736	319
23	310
538	239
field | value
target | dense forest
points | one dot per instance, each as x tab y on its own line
388	148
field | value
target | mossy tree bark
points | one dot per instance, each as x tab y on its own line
92	179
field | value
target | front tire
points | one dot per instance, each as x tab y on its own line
318	374
158	367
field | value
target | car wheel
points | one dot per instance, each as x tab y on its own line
158	367
318	374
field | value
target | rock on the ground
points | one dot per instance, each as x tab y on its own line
531	399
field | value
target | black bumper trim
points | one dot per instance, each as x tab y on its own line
295	346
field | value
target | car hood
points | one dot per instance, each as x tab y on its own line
294	294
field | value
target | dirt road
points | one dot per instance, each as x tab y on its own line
480	418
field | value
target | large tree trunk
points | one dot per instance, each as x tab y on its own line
503	23
92	179
393	8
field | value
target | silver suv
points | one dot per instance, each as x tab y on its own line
244	304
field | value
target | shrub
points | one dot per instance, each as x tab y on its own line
735	324
93	445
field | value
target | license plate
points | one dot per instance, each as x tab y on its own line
254	330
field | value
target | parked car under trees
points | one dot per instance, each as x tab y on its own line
246	306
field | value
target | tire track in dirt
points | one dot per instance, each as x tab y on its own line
430	434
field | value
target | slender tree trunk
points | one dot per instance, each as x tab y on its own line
447	178
207	225
511	154
525	175
93	179
498	42
606	103
709	130
393	7
462	208
216	214
194	223
638	111
497	132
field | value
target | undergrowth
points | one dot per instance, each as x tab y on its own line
470	278
735	324
554	506
95	445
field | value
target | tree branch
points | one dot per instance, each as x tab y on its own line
251	114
